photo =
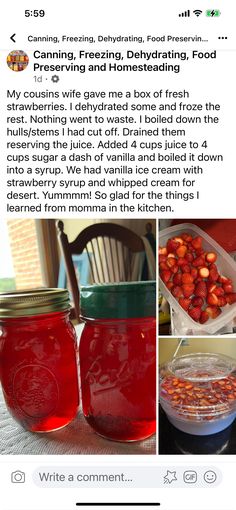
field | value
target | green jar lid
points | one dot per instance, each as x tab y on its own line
118	300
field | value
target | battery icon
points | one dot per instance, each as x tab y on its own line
213	13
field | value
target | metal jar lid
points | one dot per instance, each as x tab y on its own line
31	302
123	300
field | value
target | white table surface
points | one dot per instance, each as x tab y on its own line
76	438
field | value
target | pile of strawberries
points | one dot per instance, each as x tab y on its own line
196	398
191	275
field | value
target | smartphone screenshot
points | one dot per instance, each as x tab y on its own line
117	255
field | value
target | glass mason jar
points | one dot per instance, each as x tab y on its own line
118	359
38	368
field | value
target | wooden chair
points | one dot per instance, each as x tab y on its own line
111	250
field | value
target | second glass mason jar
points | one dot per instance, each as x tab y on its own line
118	359
38	368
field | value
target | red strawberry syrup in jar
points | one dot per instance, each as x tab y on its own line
38	366
118	359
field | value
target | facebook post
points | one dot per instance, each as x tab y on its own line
117	255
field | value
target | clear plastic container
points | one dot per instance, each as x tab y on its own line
184	325
198	392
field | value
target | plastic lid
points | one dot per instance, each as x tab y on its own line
118	300
199	386
202	367
33	302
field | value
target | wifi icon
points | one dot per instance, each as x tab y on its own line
197	12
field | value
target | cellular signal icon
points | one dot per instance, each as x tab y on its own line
185	14
197	12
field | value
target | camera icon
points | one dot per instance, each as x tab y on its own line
18	477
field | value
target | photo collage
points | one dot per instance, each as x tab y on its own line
83	358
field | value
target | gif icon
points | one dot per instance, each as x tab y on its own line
190	476
17	477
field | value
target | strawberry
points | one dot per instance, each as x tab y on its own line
172	245
213	273
203	317
162	251
177	279
197	242
181	261
171	262
213	311
169	285
178	240
181	251
185	268
163	265
201	289
211	287
203	272
197	301
177	291
211	257
198	261
187	278
187	237
231	298
188	289
198	279
194	272
228	288
191	275
224	279
195	313
189	256
219	291
185	303
222	301
165	275
212	299
200	252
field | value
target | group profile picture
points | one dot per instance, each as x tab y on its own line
17	60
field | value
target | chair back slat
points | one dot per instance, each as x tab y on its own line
128	262
95	261
101	260
124	257
117	250
90	262
109	240
106	261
